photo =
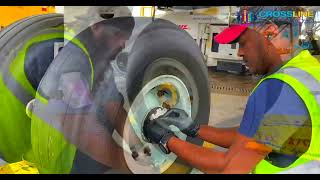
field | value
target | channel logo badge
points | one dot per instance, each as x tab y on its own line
245	17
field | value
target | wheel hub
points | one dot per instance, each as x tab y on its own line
165	91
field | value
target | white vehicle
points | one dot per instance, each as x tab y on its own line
203	24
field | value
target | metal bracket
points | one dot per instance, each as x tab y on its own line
57	48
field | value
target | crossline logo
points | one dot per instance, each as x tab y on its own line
245	16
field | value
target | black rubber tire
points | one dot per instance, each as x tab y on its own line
163	39
23	28
12	39
21	31
159	24
13	25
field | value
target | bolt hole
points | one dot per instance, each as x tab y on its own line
174	114
134	155
165	105
147	151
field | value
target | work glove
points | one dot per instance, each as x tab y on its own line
155	133
181	120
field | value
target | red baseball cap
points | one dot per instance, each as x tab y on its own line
230	34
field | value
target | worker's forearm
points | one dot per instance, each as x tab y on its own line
219	136
90	137
204	159
117	116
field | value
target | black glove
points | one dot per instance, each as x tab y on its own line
156	133
181	120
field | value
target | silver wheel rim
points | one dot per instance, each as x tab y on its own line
146	100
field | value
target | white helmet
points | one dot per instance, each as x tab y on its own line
84	16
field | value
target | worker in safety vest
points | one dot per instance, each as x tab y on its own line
280	126
80	102
21	69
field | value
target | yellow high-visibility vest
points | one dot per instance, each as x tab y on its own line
302	73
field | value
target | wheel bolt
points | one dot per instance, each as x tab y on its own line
135	155
160	93
147	151
166	105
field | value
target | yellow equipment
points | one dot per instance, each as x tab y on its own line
22	167
10	14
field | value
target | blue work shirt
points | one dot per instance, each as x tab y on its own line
277	117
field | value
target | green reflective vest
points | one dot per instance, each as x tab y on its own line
53	154
15	92
302	73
